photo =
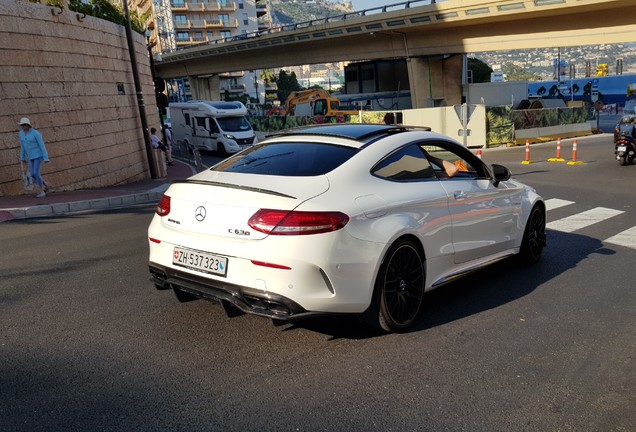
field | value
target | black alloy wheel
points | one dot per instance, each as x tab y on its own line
399	289
534	237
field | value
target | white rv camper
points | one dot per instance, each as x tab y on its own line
211	125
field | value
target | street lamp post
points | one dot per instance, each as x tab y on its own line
140	95
153	76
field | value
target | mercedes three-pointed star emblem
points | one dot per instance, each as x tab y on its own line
199	213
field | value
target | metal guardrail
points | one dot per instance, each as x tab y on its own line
192	155
305	24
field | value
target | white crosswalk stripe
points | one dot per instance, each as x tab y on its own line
626	238
555	203
582	220
587	218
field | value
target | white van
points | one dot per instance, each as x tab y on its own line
212	125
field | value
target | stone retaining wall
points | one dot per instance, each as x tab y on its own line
63	73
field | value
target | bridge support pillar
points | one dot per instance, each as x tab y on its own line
435	81
207	88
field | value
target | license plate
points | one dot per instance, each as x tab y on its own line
200	261
621	148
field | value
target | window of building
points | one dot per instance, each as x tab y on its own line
226	34
183	36
180	20
178	3
225	19
246	20
241	5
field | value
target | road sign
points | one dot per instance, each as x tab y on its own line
464	112
595	83
468	109
497	77
594	95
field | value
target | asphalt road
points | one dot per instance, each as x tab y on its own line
87	344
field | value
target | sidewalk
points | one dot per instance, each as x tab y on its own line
60	203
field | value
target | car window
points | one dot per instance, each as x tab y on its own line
462	159
300	159
406	164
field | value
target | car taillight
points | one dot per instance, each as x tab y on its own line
284	222
163	208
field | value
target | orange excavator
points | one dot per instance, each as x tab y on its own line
313	102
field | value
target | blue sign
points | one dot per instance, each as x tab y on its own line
595	83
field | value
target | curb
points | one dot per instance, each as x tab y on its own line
60	209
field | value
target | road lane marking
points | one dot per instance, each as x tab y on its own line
555	203
582	220
626	238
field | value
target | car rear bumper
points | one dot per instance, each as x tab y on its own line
246	299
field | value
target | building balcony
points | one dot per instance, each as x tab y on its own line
261	10
235	74
179	6
235	88
231	23
213	24
197	24
225	7
193	40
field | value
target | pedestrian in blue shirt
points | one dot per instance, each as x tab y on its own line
33	151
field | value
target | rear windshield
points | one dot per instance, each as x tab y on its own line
287	159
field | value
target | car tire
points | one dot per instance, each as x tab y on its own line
221	151
534	237
399	289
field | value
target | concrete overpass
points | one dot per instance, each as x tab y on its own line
427	35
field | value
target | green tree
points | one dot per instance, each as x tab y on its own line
105	9
514	72
480	70
286	84
267	76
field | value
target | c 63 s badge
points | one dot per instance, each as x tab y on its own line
238	232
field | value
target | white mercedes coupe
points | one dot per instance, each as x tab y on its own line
349	218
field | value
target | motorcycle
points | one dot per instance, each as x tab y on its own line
625	149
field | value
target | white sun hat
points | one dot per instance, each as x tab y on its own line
25	120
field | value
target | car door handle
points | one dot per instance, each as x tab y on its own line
459	195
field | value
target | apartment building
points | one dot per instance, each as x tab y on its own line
197	22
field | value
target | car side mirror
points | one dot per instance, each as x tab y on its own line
501	173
